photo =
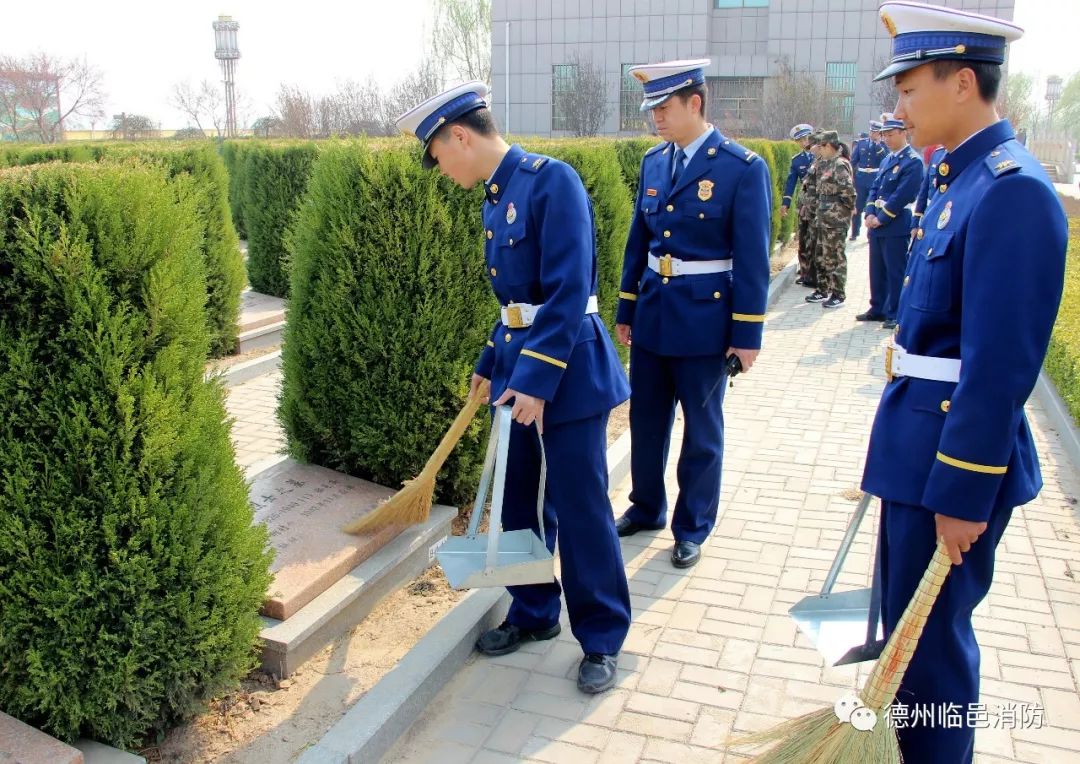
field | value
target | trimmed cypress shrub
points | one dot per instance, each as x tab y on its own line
389	309
631	151
784	152
275	177
130	573
232	153
1063	357
224	264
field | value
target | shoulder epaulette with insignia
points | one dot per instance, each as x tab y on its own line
740	151
1001	162
533	162
657	148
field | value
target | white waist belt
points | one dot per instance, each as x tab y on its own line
673	266
868	169
519	315
900	363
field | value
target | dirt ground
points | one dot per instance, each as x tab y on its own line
270	722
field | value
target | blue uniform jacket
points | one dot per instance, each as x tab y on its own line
929	184
721	209
800	163
540	248
867	155
983	284
897	184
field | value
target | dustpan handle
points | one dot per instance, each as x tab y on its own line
485	479
845	545
501	433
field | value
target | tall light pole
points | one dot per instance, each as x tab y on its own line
1053	93
226	52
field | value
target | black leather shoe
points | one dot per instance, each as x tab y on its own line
597	673
624	526
685	554
507	638
890	324
868	316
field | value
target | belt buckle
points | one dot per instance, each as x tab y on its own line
889	376
665	266
514	318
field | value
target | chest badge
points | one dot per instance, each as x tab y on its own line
943	218
704	190
511	213
896	169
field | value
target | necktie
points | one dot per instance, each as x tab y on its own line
680	155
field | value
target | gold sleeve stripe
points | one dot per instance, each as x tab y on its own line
886	211
490	344
544	358
755	319
986	470
627	296
917	214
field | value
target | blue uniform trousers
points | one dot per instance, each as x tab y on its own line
577	512
863	183
888	261
945	667
656	383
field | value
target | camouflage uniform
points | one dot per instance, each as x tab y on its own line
835	194
807	239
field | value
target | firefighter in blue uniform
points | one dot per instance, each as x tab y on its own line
889	219
800	163
929	185
951	453
552	359
866	157
694	285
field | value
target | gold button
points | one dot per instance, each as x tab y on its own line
507	337
490	234
907	280
929	251
945	406
943	169
494	188
943	188
716	295
701	215
667	234
665	280
493	273
511	242
671	208
921	234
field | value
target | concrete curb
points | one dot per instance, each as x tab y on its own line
1060	418
248	370
266	336
374	723
780	282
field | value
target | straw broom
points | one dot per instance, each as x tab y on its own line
820	737
412	504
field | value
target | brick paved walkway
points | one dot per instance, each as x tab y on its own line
713	648
257	435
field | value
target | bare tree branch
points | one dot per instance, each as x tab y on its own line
461	38
585	105
39	92
793	97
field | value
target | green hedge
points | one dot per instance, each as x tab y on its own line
274	178
232	153
1063	358
389	310
224	265
130	573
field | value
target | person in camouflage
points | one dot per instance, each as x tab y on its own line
835	194
807	206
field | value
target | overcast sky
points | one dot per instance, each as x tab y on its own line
144	47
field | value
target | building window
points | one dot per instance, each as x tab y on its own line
631	118
740	3
840	88
563	77
734	103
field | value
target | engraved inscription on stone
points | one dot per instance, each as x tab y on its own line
304	508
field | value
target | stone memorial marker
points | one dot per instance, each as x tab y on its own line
304	508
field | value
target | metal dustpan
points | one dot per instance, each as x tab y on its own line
835	622
502	558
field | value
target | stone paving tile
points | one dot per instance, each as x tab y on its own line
257	434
